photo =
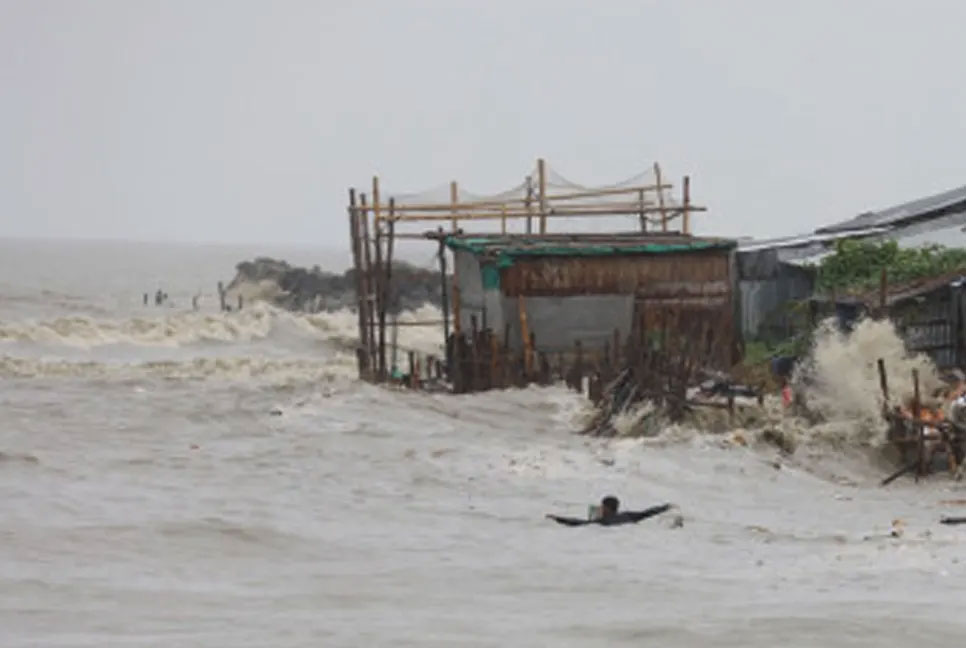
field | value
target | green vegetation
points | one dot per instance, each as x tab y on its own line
857	265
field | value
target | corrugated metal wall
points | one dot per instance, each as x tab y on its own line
933	325
764	300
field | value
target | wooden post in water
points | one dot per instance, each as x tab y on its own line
385	293
379	275
369	283
442	280
360	283
883	384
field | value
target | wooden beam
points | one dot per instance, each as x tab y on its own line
616	209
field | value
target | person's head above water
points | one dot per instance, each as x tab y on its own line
609	506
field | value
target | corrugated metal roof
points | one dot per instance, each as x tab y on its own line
951	236
803	239
894	215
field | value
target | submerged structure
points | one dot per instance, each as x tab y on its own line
523	304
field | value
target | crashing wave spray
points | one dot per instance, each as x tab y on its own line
840	377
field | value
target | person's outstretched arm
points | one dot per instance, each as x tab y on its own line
566	521
637	516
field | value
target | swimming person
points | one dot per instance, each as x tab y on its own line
610	515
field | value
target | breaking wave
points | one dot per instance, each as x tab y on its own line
172	330
338	367
839	382
257	322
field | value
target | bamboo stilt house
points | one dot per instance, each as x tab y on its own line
515	293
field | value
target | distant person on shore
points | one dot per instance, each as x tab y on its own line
145	299
194	302
158	297
609	514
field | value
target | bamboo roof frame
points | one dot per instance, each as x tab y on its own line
541	206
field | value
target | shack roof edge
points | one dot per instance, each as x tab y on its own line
516	245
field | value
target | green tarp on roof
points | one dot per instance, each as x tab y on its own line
504	251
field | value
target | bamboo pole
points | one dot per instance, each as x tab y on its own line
386	291
660	196
686	201
442	279
360	284
375	199
454	200
641	214
528	205
542	194
883	382
379	277
370	287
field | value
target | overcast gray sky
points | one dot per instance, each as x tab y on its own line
245	121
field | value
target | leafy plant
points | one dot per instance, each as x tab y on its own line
857	265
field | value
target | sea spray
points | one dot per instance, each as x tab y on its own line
839	382
840	376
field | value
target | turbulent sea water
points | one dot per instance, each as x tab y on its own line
179	478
